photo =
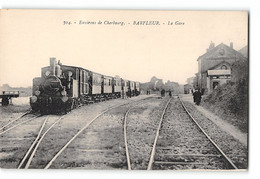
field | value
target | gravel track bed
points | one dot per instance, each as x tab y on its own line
236	151
15	143
63	131
142	123
66	129
182	143
101	145
11	112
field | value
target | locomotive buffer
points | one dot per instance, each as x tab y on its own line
8	95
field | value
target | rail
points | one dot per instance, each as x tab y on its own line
157	136
214	144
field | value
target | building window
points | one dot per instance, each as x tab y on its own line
223	67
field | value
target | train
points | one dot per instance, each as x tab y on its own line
62	88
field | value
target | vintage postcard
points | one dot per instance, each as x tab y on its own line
124	89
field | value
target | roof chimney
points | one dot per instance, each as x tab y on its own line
211	46
231	45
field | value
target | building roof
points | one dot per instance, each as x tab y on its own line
221	51
244	51
220	64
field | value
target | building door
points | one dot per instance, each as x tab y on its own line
215	84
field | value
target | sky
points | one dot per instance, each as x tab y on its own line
28	38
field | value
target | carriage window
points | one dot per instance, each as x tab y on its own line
85	76
81	76
77	74
96	80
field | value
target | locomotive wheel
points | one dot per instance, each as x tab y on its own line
35	107
43	111
70	105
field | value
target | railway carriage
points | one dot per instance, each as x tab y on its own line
117	86
125	86
107	87
96	86
137	88
132	87
62	88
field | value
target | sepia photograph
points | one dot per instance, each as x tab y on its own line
124	89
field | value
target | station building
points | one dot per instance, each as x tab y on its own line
215	66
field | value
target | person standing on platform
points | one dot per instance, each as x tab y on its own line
162	93
197	97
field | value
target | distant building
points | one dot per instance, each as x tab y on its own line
187	88
190	80
215	66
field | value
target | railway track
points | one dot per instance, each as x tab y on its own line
181	143
17	122
27	159
125	140
129	167
49	164
157	136
12	121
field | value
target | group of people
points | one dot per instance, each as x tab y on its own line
148	92
163	93
127	94
196	95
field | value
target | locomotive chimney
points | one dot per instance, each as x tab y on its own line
53	63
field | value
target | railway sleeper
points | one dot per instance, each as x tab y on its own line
180	163
188	158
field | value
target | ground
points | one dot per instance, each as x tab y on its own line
101	144
224	125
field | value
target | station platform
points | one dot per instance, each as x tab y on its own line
7	96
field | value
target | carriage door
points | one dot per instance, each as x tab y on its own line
85	83
78	78
102	84
81	84
113	85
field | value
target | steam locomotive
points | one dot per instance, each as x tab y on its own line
62	88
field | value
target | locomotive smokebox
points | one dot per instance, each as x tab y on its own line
53	63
